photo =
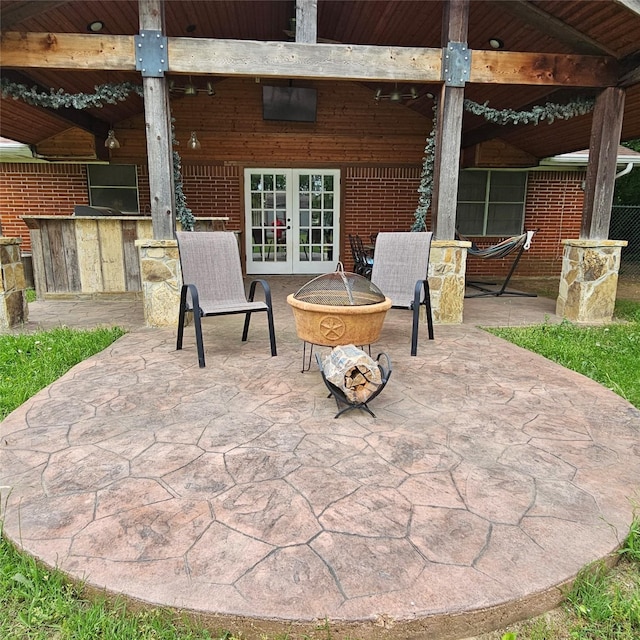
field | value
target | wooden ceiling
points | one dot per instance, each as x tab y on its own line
598	27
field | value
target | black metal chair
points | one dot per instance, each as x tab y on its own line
213	284
362	261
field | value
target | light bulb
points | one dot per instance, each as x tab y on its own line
111	142
193	143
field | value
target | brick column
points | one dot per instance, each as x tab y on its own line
589	280
161	280
13	298
447	267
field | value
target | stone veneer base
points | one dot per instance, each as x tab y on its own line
589	280
447	268
161	277
14	309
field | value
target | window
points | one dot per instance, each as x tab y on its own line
491	203
114	186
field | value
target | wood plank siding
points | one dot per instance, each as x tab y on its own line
91	256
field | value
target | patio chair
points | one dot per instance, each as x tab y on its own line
213	284
400	271
362	261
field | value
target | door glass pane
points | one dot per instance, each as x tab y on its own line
328	218
328	183
304	183
268	182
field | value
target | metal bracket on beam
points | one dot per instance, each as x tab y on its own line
456	64
152	54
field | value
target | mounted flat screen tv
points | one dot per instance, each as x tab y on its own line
294	104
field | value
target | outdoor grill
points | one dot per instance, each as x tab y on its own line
339	308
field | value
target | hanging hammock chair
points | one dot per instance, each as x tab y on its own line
515	244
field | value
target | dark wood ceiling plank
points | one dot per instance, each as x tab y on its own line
17	12
548	24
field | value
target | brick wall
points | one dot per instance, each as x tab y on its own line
37	190
377	199
374	199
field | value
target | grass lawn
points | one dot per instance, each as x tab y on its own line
38	604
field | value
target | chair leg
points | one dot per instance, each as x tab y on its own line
272	331
181	317
197	324
267	298
427	307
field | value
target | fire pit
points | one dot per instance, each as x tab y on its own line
339	308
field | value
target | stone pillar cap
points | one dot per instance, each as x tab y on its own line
590	244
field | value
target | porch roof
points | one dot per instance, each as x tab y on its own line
602	30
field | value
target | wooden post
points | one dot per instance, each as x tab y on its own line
449	128
307	21
606	127
157	115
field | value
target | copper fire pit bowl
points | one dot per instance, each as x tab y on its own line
339	308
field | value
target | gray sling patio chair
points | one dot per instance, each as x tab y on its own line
400	269
213	284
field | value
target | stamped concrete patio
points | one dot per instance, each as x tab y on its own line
489	478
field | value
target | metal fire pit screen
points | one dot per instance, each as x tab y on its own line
340	289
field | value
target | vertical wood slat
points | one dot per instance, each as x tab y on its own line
130	256
157	114
111	254
71	256
606	127
88	255
37	258
50	279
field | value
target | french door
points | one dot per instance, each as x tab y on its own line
292	220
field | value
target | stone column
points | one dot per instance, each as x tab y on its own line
13	297
161	280
447	268
589	280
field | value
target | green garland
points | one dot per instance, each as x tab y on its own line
104	94
549	112
183	213
426	177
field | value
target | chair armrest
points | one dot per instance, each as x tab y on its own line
265	288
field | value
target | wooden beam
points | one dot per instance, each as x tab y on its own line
300	60
455	24
307	21
19	11
508	67
629	70
67	51
309	61
606	127
157	117
551	26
